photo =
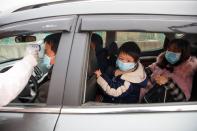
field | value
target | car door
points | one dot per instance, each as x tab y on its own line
40	116
79	112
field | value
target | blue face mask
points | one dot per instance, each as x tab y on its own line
125	66
172	57
47	61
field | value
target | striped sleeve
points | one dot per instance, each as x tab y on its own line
175	93
112	91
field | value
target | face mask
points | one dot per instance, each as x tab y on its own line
47	61
172	57
125	66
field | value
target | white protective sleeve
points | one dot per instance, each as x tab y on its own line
13	81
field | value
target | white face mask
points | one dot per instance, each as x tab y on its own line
47	61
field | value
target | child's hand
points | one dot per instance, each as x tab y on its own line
98	73
118	72
161	80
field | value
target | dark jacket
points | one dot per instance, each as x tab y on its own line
101	56
124	88
169	92
44	87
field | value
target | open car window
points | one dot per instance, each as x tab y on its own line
12	50
151	42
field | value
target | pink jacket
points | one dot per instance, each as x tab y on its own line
182	74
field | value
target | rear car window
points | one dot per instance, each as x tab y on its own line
146	41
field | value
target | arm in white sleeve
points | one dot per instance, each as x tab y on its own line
13	81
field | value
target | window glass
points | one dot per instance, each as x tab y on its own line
12	49
146	41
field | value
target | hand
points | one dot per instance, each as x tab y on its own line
98	73
161	80
32	49
118	72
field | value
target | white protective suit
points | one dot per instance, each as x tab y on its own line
13	81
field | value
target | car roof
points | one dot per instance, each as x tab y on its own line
76	7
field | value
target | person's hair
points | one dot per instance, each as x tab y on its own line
181	44
97	40
130	48
53	40
165	45
184	45
113	48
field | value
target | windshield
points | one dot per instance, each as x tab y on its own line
10	49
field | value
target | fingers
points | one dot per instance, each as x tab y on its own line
118	72
98	73
161	80
32	49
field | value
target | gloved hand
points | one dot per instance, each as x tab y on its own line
31	54
32	49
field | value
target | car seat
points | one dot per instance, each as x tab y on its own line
91	88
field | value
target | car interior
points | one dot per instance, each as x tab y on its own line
12	49
151	45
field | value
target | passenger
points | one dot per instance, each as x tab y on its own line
101	53
112	57
174	69
125	86
112	53
51	46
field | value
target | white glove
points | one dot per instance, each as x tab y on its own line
32	49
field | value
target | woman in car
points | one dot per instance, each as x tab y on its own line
174	69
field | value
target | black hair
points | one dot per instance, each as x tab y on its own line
97	40
113	49
184	45
53	40
181	44
165	45
130	48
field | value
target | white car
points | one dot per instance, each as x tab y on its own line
71	103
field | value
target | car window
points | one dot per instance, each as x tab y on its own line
146	41
13	48
105	58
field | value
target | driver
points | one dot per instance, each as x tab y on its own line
51	45
13	81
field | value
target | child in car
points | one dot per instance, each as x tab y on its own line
127	80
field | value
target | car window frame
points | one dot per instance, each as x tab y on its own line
84	34
55	96
154	23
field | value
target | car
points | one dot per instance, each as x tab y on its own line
71	103
28	4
